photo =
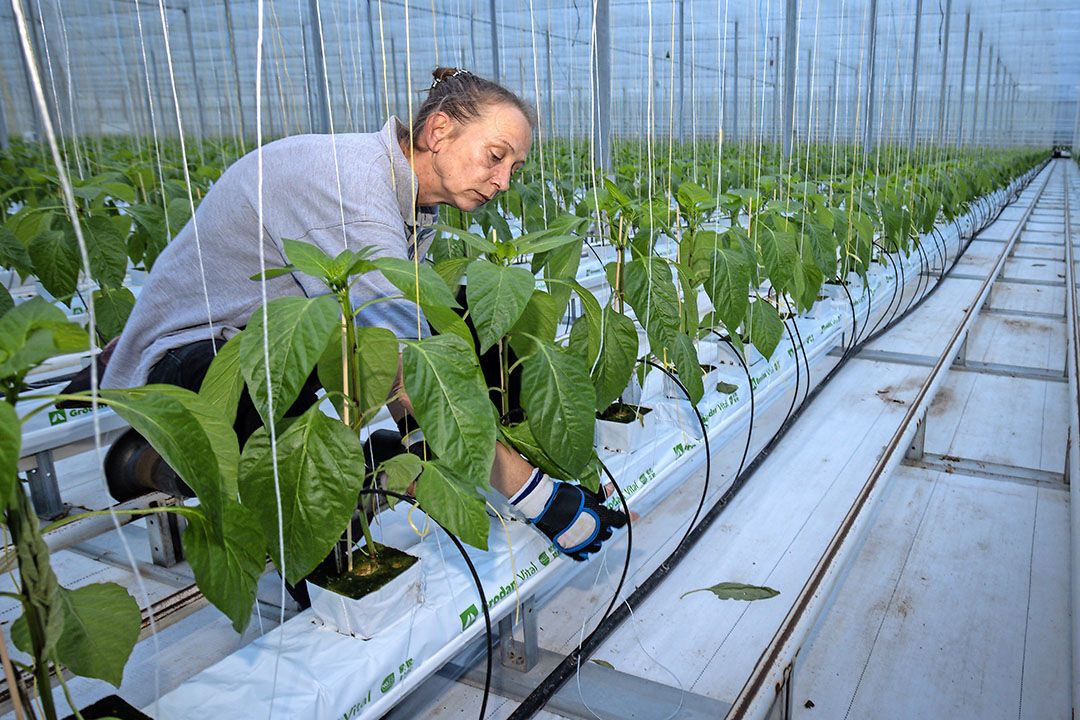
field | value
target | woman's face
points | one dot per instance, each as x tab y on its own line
473	162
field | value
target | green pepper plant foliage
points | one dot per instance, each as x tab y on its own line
92	629
561	385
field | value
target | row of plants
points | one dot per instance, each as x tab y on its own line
751	249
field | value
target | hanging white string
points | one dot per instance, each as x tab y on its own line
73	217
76	144
187	173
52	85
271	429
153	124
539	117
330	117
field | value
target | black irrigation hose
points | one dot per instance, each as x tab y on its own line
749	384
869	304
897	284
476	581
794	395
704	434
923	280
854	318
800	346
550	685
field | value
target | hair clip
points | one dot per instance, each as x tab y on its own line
457	71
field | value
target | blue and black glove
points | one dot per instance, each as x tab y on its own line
574	518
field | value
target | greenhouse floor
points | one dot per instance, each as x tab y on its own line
954	601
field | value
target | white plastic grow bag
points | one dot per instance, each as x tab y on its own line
374	613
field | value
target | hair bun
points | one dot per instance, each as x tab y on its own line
445	73
442	73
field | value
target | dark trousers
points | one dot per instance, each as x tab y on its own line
187	366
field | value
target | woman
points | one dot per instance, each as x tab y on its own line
345	191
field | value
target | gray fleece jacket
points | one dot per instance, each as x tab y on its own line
336	191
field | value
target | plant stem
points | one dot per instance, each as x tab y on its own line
351	378
504	377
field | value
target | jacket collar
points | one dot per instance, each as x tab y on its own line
404	180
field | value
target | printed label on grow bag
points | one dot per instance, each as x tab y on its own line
469	616
731	400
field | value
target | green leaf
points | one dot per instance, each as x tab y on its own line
559	264
320	470
111	310
227	567
56	262
150	234
453	503
497	296
616	363
10	444
543	241
736	591
476	242
34	331
297	333
189	434
402	274
450	401
520	437
727	285
540	319
6	301
120	191
308	258
13	253
179	213
378	349
224	380
650	290
452	270
401	471
558	398
766	327
683	355
446	321
726	388
603	663
40	588
101	627
271	273
106	248
779	254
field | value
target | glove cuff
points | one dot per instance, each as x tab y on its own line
534	496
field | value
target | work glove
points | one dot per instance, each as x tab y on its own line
574	518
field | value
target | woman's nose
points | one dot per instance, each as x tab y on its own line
501	179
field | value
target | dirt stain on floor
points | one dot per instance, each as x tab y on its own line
1017	324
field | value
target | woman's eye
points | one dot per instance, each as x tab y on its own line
495	158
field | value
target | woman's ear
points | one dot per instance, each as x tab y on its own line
437	129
